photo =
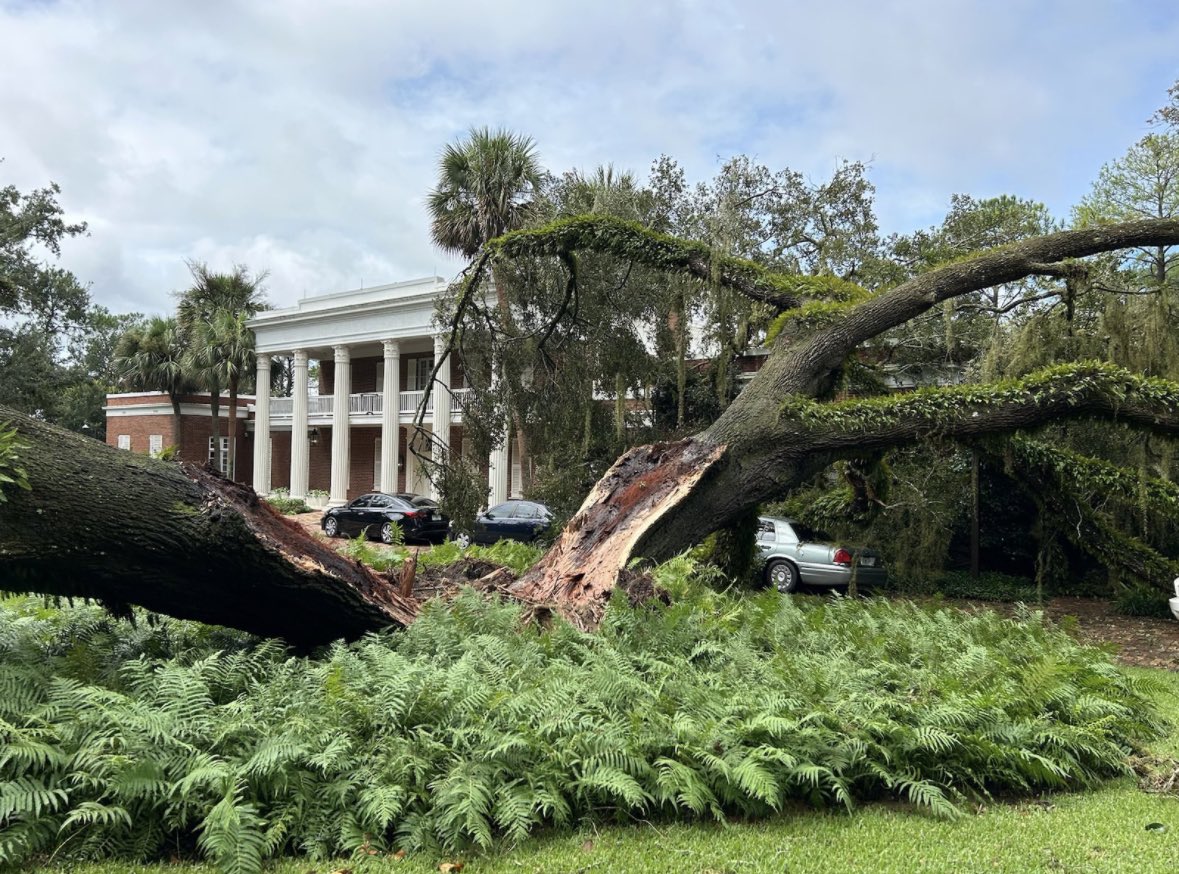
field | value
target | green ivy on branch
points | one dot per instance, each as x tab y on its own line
1082	475
633	242
1070	385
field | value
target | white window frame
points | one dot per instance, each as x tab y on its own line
221	463
125	442
155	445
419	373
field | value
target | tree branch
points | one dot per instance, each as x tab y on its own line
984	270
633	242
1075	391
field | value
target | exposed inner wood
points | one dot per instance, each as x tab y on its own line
579	572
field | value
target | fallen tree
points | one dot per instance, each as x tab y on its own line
106	524
658	500
177	539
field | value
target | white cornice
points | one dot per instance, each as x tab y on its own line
123	411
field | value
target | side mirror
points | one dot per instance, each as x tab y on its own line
488	515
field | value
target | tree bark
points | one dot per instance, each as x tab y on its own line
180	540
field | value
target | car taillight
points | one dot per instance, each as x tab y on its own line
409	514
843	557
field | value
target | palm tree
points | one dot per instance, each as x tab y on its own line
212	315
487	186
152	357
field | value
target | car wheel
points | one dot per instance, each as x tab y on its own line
331	526
782	575
462	538
387	534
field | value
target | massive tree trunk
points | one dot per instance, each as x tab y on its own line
128	529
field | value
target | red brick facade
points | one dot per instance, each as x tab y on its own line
362	453
137	417
192	442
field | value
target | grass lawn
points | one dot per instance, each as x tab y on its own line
1100	831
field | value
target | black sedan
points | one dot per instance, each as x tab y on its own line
374	514
511	520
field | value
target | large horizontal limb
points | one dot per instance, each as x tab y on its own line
1040	256
631	241
126	529
1090	478
1072	391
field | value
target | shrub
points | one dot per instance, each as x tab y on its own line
379	559
288	506
989	586
1142	600
510	553
472	725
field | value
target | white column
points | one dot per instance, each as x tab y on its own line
262	427
498	471
441	394
341	430
390	416
299	448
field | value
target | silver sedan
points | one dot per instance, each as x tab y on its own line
795	554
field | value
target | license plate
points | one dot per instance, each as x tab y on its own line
868	561
435	516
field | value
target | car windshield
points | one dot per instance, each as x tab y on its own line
423	502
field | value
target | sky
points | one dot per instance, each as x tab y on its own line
301	138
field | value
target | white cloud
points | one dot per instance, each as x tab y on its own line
301	137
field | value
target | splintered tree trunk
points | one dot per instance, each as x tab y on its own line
128	529
615	520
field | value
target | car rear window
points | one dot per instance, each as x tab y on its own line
807	534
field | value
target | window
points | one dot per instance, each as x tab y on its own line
765	530
380	383
419	373
124	441
377	461
219	457
506	510
155	444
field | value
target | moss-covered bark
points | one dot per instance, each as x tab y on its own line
129	529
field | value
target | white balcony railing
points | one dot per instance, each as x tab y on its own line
361	404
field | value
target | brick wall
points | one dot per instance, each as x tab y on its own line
193	444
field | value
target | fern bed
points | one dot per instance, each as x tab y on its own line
473	728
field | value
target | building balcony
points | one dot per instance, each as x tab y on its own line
364	407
